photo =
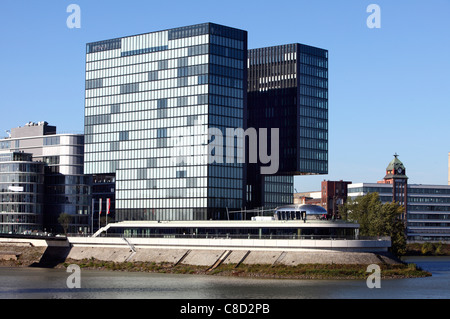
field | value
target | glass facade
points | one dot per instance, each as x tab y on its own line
64	186
278	191
67	189
103	189
144	94
288	89
245	231
21	193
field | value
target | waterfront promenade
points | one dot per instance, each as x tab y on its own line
203	251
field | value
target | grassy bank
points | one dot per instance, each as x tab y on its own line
302	271
32	256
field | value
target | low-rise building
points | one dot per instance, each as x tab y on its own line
21	193
427	207
428	214
65	188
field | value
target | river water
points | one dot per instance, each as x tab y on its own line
39	283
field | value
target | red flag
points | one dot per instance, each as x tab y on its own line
108	205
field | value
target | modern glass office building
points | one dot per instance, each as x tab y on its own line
149	103
64	186
21	193
288	89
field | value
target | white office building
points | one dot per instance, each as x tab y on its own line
66	189
428	208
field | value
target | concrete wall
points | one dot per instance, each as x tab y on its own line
209	258
221	244
210	252
238	244
37	242
207	252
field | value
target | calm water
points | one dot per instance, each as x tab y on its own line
51	283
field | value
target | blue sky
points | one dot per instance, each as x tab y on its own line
388	88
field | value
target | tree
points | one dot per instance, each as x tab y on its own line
64	220
377	219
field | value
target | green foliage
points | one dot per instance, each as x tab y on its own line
377	219
64	220
438	249
434	249
427	249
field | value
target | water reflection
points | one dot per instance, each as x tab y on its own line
51	283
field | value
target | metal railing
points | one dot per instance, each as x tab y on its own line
239	236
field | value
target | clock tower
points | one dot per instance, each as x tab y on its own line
396	175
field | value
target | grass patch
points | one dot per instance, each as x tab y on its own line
320	271
301	271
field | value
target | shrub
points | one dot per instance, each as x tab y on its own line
427	248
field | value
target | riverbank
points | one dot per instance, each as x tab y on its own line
300	271
216	262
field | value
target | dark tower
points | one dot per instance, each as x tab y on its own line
288	90
396	175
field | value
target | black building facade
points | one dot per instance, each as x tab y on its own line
288	89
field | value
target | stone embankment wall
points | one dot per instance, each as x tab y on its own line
205	257
26	254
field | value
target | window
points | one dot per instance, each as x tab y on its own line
181	174
203	79
94	84
114	146
129	88
5	145
123	136
161	133
151	183
162	65
51	160
151	162
162	103
191	182
142	173
115	108
182	62
153	75
53	140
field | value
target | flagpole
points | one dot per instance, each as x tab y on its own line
92	216
107	213
99	212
